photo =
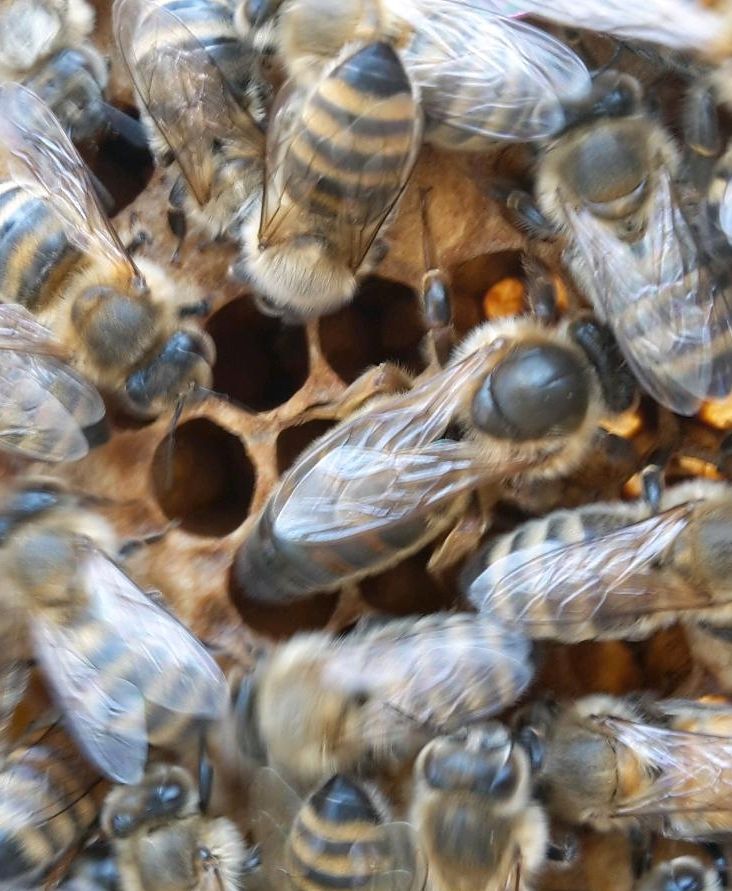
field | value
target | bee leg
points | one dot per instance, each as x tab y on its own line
700	122
652	486
199	309
460	541
522	211
720	862
599	345
541	294
640	851
205	775
133	544
177	217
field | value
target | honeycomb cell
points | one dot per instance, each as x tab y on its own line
473	278
383	323
260	361
294	440
407	588
203	478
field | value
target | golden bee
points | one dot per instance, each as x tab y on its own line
198	88
340	836
473	812
122	669
481	76
338	159
46	404
61	259
680	874
383	483
613	570
50	800
318	704
162	840
614	763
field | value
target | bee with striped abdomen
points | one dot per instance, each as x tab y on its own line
613	570
60	257
481	76
122	669
162	840
49	800
319	705
201	101
473	813
385	482
610	763
338	159
340	836
609	184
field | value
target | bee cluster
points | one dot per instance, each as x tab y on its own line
365	370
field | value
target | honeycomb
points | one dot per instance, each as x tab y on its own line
195	487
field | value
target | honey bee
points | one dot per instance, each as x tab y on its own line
319	705
340	836
46	404
612	570
386	481
94	869
473	813
680	874
480	75
60	257
122	669
196	82
49	799
338	159
162	841
612	764
608	183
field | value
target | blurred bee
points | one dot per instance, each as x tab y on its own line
60	257
340	836
162	841
480	75
338	159
319	705
196	82
49	799
473	813
608	183
612	764
122	669
46	405
680	874
612	570
383	483
94	869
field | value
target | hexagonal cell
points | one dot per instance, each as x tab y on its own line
383	323
293	440
204	478
472	279
260	361
407	588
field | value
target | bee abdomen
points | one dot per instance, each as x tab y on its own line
35	254
363	110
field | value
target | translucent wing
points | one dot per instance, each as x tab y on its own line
352	204
14	675
19	327
41	159
490	75
677	24
691	771
105	715
444	670
673	325
183	89
594	588
274	806
725	211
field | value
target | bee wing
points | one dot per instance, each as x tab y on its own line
445	669
409	866
44	406
608	581
167	663
41	159
105	714
488	74
690	770
673	23
356	205
162	67
673	326
274	805
14	676
19	329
